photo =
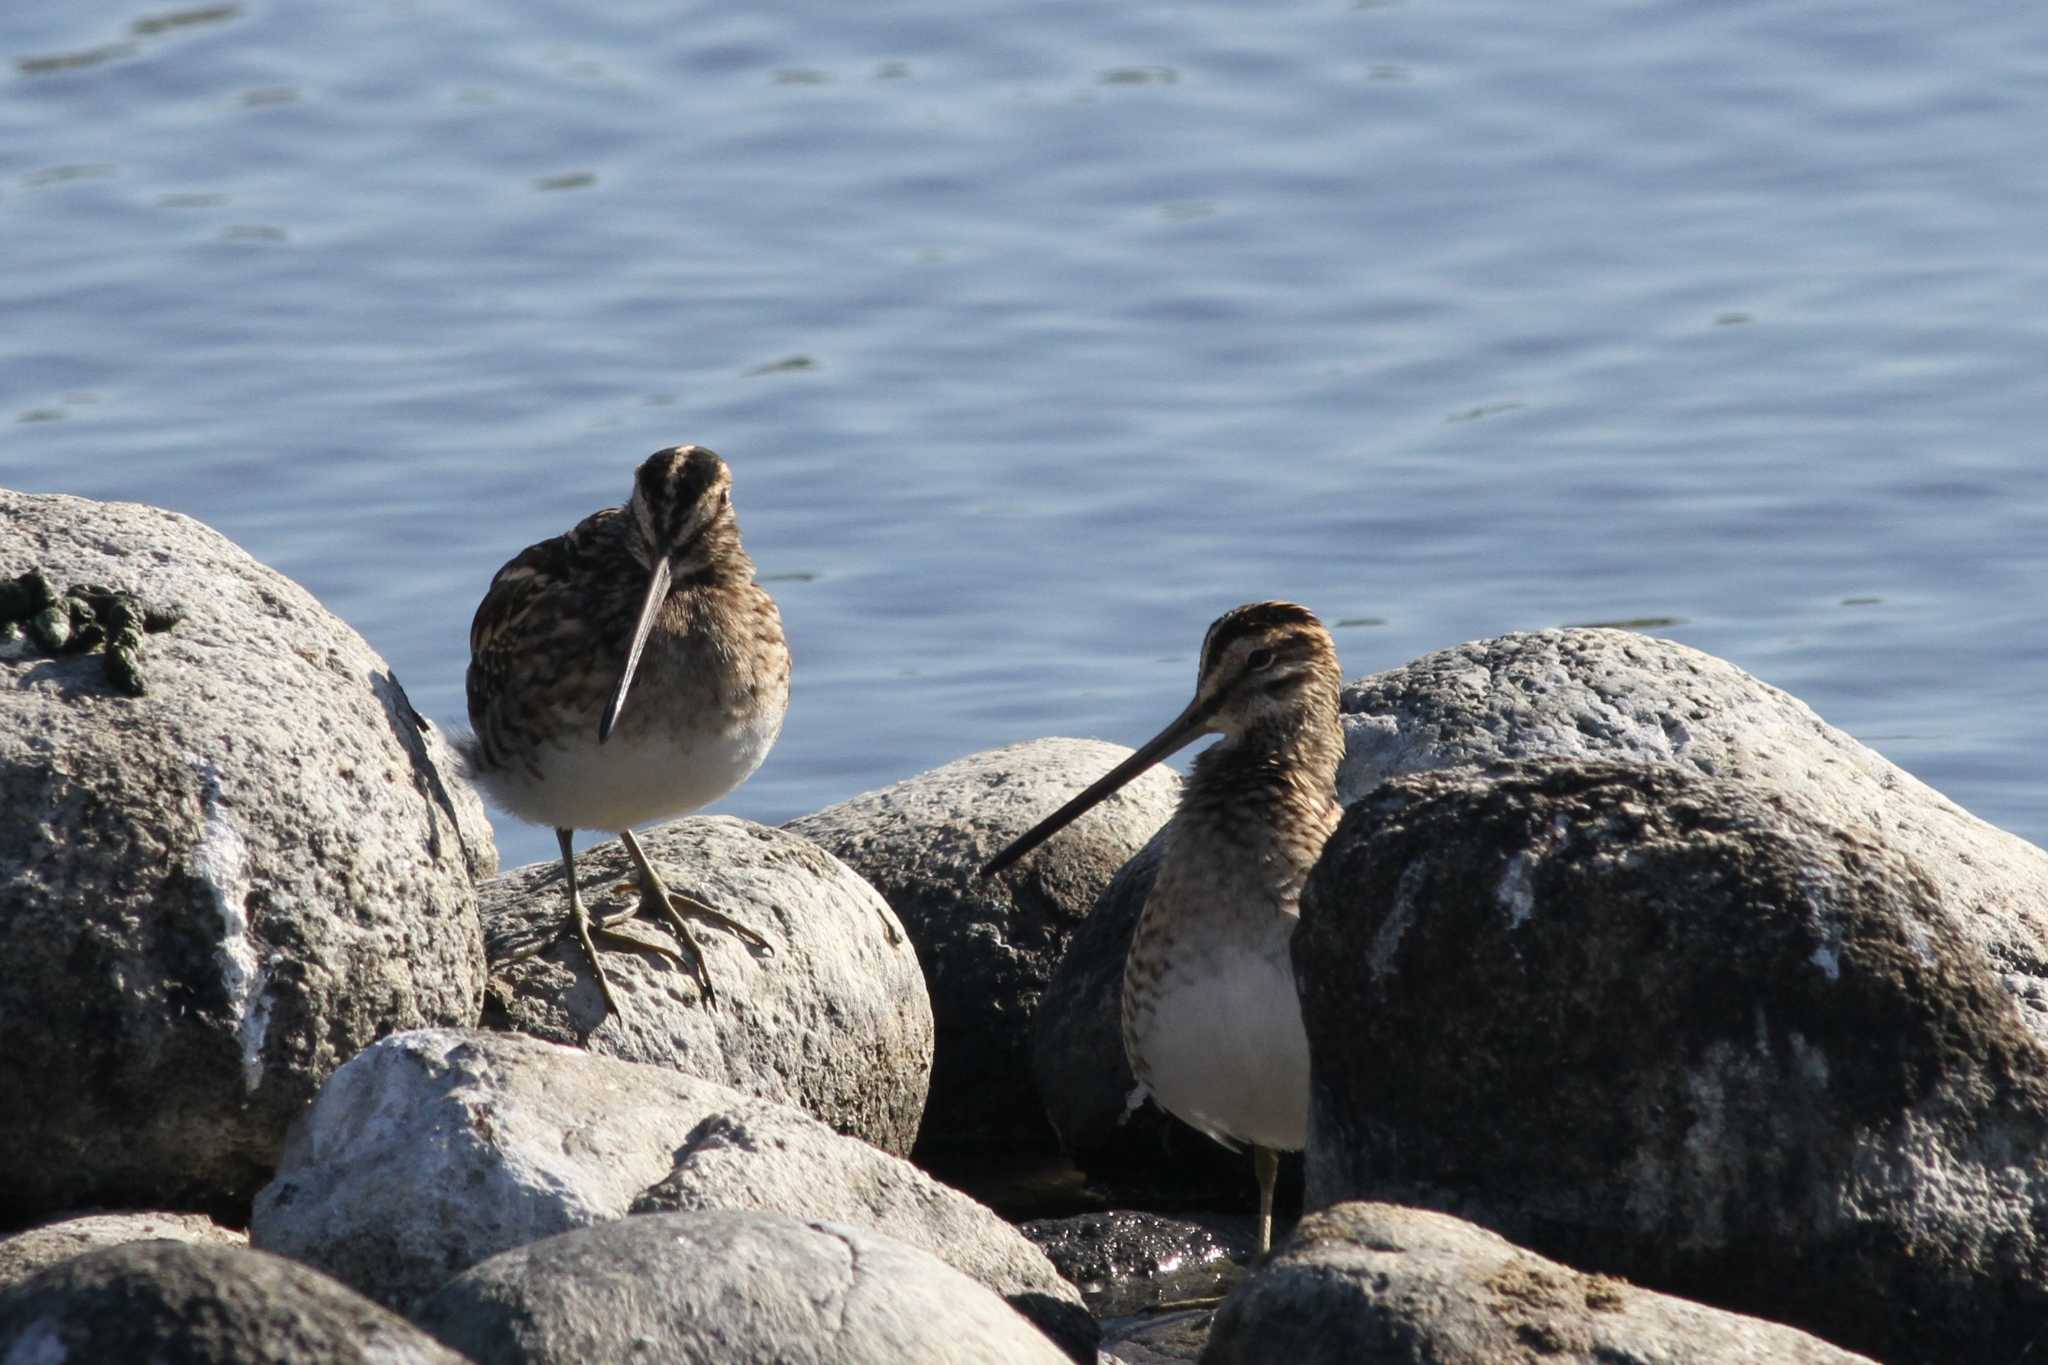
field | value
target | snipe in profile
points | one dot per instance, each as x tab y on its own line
654	602
1211	1021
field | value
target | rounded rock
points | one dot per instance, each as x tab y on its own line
1374	1282
1680	1029
833	1019
433	1150
181	1304
219	890
1595	694
727	1288
25	1253
785	1162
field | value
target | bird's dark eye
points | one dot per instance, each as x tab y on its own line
1259	658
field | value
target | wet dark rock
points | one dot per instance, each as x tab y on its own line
784	1162
1685	1030
727	1288
1176	1337
25	1253
1367	1283
216	892
1127	1262
174	1303
989	947
834	1020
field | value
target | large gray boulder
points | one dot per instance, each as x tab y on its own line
785	1162
1682	1029
989	947
1599	694
183	1304
833	1019
433	1150
727	1288
25	1253
217	891
1374	1284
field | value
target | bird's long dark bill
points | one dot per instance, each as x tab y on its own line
650	607
1185	728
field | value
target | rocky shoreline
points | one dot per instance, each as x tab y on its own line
1652	1019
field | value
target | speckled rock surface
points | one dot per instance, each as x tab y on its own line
25	1253
218	891
989	947
835	1020
1373	1284
180	1304
785	1162
1588	693
1681	1029
728	1288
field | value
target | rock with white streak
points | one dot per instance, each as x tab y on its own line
728	1288
1683	1030
181	1304
1375	1284
832	1018
214	892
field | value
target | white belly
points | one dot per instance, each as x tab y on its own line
1224	1049
632	779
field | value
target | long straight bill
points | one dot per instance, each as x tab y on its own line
1187	727
650	607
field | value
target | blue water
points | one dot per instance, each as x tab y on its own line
1038	334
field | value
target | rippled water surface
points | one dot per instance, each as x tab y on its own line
1038	334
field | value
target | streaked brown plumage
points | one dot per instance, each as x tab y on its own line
629	670
1211	1021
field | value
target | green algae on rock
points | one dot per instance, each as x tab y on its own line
84	618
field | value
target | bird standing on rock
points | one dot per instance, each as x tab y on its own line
630	670
1211	1020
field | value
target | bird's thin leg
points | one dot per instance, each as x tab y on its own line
579	918
587	930
678	909
1266	1164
